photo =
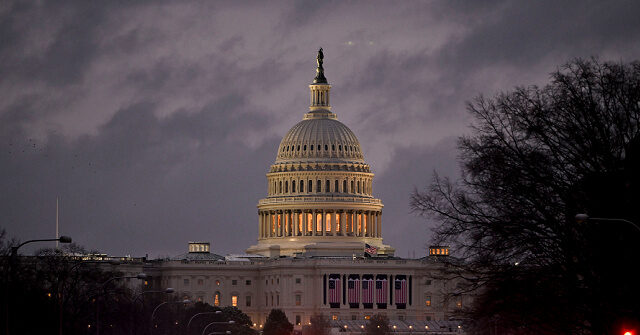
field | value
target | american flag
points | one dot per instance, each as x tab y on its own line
371	250
381	291
401	291
334	290
367	291
353	290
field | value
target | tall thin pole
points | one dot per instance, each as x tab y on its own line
57	235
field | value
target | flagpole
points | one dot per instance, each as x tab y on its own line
57	235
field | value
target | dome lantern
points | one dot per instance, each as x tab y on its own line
320	90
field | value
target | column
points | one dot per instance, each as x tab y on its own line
370	224
260	225
269	220
343	222
332	222
295	223
379	230
314	218
323	223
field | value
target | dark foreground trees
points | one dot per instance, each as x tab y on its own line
277	323
536	157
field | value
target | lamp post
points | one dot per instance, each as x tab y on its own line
140	275
168	290
197	314
230	322
584	217
153	314
13	260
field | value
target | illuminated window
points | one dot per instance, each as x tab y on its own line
234	300
216	299
367	317
459	304
217	283
327	223
319	222
247	301
334	317
298	299
427	300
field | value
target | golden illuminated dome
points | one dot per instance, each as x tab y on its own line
319	190
320	137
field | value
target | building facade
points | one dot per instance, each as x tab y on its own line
319	248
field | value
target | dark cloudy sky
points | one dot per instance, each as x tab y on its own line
155	122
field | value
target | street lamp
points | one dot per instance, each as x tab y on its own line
230	322
185	301
168	290
12	262
584	217
202	313
140	275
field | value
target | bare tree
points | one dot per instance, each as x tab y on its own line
535	158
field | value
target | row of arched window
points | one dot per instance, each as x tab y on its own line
288	186
311	148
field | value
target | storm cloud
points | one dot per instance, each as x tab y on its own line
155	122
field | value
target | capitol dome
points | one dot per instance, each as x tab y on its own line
319	137
320	189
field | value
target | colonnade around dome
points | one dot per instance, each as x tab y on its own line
320	222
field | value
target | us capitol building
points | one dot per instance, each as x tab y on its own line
319	247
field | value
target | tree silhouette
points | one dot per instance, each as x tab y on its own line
277	323
535	158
